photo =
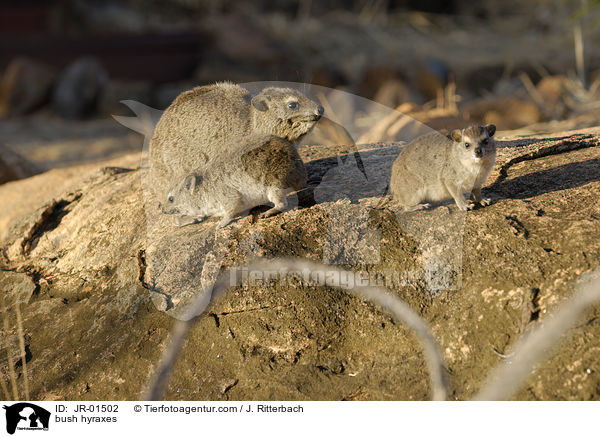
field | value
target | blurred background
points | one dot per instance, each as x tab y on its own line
526	66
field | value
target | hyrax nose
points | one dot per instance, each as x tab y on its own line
320	110
478	152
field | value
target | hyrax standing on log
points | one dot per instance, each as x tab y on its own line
263	169
435	167
205	123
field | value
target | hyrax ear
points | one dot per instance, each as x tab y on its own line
456	135
192	181
491	130
261	102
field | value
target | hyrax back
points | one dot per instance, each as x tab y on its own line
435	167
263	169
202	125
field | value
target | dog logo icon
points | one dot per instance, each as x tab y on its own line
26	416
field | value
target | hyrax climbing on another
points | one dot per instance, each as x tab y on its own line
263	169
202	124
435	167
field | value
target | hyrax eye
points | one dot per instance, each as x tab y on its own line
293	105
485	141
467	145
171	199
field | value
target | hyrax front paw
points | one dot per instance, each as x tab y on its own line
418	207
465	206
270	213
224	222
183	220
485	201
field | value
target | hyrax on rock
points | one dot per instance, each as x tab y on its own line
435	167
265	168
202	124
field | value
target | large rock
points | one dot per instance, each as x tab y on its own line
79	88
101	280
25	85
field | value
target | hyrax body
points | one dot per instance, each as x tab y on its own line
263	169
203	123
435	167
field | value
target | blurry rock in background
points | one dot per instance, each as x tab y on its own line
505	112
13	166
552	90
432	78
395	92
78	88
25	86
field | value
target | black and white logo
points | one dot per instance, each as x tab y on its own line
26	417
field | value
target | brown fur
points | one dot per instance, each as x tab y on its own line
275	163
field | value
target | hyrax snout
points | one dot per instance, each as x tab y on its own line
435	167
265	169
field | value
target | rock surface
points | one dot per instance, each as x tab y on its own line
101	280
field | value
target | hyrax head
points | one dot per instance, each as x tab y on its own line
182	198
474	142
285	112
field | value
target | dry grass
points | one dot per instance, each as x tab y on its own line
12	373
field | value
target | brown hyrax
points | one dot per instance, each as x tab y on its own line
202	124
435	167
264	169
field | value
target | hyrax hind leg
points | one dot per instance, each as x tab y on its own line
278	197
404	191
411	201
